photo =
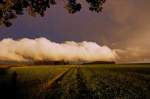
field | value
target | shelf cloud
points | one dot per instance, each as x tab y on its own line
41	49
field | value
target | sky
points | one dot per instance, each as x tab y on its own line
123	26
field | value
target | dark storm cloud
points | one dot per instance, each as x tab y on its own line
123	25
134	30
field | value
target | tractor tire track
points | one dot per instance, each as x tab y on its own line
84	91
70	86
52	84
96	85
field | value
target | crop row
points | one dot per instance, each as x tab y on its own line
111	84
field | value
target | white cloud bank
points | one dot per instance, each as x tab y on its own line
43	49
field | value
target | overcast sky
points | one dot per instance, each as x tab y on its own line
123	25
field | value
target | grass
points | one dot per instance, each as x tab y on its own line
105	81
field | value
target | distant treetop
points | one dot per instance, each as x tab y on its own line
9	9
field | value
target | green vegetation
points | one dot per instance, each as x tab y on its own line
107	83
104	81
29	80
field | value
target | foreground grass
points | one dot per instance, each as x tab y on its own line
81	82
29	80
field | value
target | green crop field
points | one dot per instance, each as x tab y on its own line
105	81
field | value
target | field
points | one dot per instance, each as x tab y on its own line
105	81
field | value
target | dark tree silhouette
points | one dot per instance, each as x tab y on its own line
9	9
